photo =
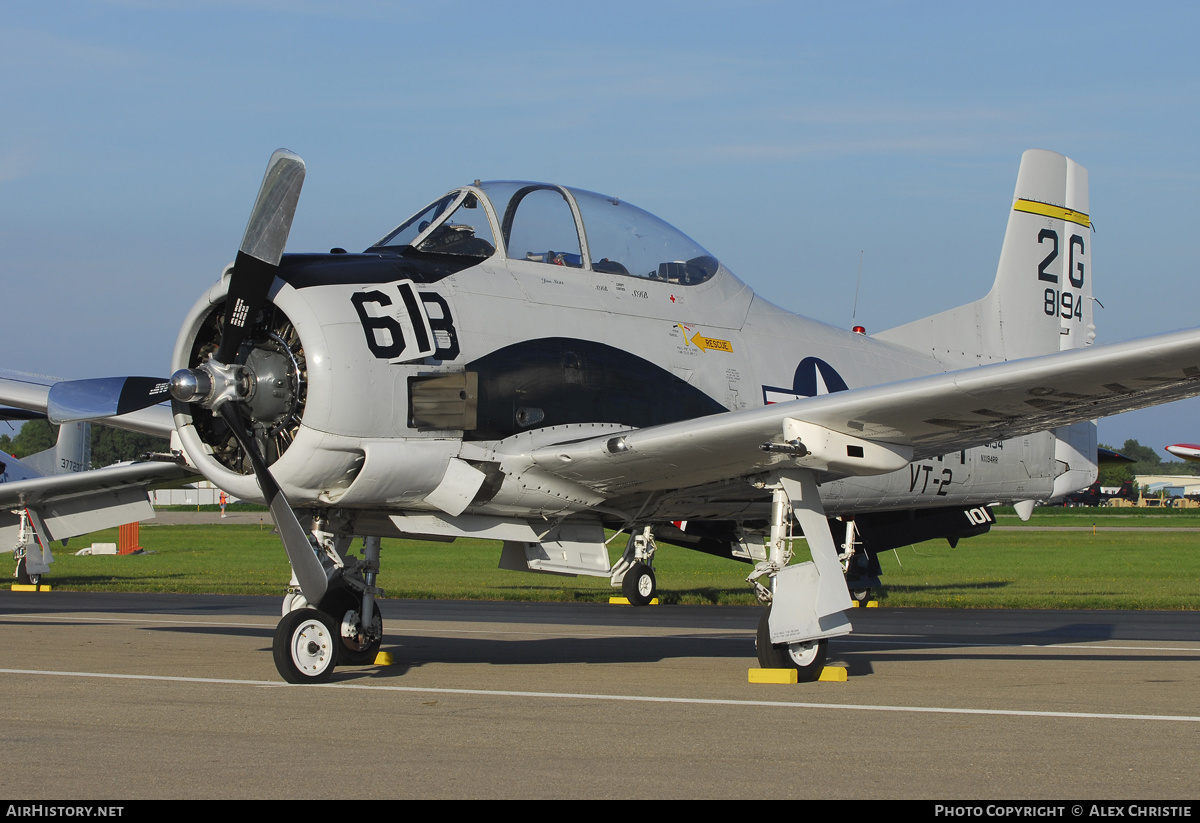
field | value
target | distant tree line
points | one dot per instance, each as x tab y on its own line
108	445
1146	460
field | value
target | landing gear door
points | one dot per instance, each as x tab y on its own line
793	611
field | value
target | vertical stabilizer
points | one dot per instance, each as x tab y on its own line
1041	300
1046	263
1043	289
72	452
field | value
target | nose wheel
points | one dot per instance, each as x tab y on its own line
306	646
634	572
861	595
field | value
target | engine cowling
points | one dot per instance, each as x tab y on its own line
286	404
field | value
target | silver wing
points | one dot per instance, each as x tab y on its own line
60	506
908	420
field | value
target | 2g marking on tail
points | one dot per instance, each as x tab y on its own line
1066	304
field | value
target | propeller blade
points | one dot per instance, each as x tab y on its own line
271	219
72	400
9	413
305	563
261	249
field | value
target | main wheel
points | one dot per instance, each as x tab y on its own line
861	595
808	658
305	647
24	578
359	650
639	585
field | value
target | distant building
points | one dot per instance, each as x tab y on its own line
1172	485
203	493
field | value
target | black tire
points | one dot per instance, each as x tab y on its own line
24	578
305	647
861	595
351	652
639	585
808	659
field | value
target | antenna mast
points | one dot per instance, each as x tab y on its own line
854	310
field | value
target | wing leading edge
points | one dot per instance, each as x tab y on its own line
46	490
930	416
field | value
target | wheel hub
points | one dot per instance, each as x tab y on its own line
803	654
645	585
310	647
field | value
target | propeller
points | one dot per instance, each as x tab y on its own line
220	384
249	283
262	247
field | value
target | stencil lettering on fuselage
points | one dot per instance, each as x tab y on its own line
813	377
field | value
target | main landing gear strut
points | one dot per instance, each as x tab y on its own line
29	554
805	601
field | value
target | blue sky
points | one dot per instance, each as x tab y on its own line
785	137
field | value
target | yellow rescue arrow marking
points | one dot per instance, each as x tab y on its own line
703	343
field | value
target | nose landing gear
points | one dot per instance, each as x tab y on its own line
639	585
345	628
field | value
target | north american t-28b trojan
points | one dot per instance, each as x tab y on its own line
534	363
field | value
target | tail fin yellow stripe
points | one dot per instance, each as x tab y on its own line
1045	209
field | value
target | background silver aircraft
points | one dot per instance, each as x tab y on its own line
534	363
55	494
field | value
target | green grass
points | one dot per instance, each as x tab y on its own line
228	559
1002	569
212	559
1102	516
1050	570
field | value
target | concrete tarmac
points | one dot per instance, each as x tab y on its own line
121	696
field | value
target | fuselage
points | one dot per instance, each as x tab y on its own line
478	333
12	470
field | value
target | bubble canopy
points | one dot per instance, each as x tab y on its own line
540	223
